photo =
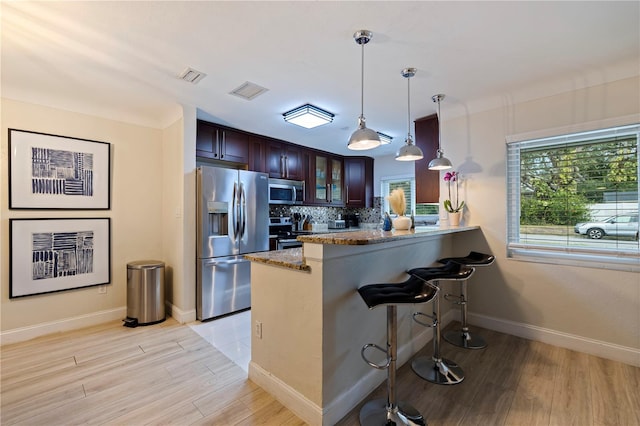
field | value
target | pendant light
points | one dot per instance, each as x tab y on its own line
363	138
440	162
409	151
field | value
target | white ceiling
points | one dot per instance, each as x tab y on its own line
121	59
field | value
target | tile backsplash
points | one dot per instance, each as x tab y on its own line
324	214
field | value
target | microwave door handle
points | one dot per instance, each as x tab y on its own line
295	194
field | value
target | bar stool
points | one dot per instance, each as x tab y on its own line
436	369
463	336
416	289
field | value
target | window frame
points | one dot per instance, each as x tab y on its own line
591	257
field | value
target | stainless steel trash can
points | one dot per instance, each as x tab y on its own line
145	293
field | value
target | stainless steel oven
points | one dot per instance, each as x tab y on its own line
285	243
281	228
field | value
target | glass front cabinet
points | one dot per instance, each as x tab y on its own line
329	180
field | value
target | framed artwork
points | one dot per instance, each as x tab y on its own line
50	255
58	172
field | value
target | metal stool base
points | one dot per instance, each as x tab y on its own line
443	372
465	339
376	412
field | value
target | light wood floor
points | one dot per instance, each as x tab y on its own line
167	374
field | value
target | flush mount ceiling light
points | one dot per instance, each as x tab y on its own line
409	152
363	138
384	139
440	162
308	116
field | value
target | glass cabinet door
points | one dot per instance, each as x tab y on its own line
336	181
321	178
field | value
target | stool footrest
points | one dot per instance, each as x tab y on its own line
455	299
373	364
433	319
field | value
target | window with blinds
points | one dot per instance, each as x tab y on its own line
574	199
425	213
407	185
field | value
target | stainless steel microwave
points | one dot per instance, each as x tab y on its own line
285	191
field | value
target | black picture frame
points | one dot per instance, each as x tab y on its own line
53	172
57	254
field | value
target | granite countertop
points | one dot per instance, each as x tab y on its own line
289	258
375	236
294	258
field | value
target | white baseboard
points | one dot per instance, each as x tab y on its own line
347	400
599	348
183	317
31	332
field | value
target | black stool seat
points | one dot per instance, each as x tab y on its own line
474	258
413	290
450	271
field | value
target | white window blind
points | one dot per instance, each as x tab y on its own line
574	199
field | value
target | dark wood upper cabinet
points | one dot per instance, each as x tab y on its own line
221	143
330	180
284	161
427	181
257	154
358	176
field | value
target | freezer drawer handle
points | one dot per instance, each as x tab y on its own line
227	262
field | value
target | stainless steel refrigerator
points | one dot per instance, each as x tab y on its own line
232	220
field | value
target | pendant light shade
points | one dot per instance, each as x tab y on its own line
409	151
440	162
363	138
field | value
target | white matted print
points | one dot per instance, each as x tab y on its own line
49	255
58	172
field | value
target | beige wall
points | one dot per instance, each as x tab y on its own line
178	227
588	303
136	210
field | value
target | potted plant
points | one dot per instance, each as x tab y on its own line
454	207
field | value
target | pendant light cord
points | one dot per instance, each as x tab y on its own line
362	82
408	109
439	132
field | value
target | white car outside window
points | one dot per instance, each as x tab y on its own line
624	225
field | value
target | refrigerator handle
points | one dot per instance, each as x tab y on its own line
234	211
242	203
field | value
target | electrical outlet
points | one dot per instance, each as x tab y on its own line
102	289
258	329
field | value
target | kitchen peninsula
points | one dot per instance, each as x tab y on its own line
309	323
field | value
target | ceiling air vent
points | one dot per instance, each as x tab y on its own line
192	76
248	91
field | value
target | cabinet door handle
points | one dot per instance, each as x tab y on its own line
347	192
328	193
216	148
282	165
223	144
286	166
